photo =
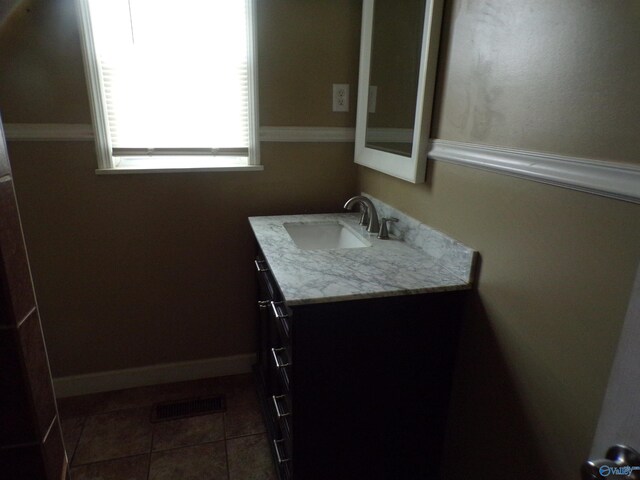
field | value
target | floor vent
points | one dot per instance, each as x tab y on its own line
190	407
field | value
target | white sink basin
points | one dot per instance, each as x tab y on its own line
324	235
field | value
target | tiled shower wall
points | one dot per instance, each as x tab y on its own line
31	443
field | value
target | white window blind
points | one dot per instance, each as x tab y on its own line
175	79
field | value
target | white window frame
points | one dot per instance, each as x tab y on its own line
164	163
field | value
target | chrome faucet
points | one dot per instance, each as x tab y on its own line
373	225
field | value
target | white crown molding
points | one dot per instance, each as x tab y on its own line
307	134
610	179
152	375
48	132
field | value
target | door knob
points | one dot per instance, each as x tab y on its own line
619	462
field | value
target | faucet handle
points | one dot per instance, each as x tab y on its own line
384	232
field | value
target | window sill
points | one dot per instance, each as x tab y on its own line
126	171
177	164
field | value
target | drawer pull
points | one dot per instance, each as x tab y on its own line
278	310
276	445
281	314
261	266
274	352
279	414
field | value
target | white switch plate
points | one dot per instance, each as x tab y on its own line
340	97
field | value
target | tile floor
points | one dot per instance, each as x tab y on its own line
109	436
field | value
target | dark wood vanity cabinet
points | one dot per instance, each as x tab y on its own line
356	389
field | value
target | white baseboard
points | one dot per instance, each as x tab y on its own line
152	375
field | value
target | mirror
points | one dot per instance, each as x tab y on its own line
396	44
398	61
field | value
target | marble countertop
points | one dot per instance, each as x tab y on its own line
387	268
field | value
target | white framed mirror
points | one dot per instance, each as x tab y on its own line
398	62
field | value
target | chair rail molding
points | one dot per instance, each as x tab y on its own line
605	178
307	134
47	132
610	179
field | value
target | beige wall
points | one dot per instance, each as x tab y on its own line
305	47
41	72
136	270
542	75
557	265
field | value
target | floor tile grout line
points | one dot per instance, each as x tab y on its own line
153	434
226	445
187	446
226	458
246	435
110	459
149	467
77	443
180	447
139	407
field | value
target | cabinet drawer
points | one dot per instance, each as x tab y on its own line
281	448
280	410
282	459
281	407
282	319
268	286
281	363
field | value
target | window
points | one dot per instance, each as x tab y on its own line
173	84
